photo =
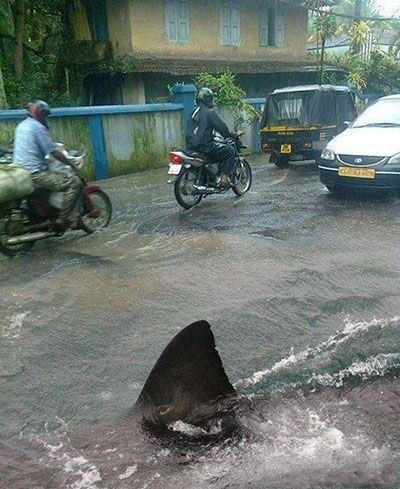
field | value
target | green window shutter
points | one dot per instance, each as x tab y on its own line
225	24
279	29
183	21
235	23
171	20
264	26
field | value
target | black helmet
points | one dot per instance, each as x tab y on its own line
39	109
206	97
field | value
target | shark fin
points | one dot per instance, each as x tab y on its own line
187	381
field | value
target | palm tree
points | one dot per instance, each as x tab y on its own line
325	26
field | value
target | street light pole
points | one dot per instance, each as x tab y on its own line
357	10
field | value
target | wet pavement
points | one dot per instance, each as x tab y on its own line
277	273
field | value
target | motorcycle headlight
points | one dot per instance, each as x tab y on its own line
394	160
328	154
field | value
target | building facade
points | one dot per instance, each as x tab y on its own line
155	43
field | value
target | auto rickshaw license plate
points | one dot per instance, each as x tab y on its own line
286	148
345	171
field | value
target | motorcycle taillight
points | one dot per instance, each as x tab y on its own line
175	158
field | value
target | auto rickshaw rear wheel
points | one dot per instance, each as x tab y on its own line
280	160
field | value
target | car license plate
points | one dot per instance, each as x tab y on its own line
286	148
174	169
345	171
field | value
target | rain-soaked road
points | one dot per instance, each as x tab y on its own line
277	273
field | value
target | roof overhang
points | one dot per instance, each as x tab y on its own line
182	67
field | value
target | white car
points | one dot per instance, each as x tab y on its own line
367	154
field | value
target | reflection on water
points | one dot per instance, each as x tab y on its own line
302	291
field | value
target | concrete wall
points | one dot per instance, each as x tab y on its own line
138	142
73	132
149	32
118	139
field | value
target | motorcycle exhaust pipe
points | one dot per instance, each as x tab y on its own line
28	238
202	190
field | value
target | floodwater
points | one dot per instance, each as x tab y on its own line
302	291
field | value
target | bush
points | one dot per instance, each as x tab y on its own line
226	92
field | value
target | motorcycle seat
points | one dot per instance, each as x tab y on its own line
194	154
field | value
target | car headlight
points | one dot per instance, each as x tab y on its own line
328	154
394	160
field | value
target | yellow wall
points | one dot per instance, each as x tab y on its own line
119	26
149	32
80	22
138	26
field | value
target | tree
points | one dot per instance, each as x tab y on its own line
3	99
325	26
32	34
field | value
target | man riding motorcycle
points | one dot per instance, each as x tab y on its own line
32	142
203	124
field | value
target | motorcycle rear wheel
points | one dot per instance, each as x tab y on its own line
98	216
243	178
183	187
11	251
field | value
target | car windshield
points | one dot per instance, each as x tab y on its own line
383	113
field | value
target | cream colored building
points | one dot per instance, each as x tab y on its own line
159	42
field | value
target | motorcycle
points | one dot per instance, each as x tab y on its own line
194	177
30	219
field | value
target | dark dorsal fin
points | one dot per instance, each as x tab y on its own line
187	379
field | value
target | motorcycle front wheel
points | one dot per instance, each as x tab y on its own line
95	212
243	178
183	188
8	250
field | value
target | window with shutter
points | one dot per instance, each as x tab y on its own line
225	36
230	23
264	26
183	21
279	29
235	23
276	28
177	20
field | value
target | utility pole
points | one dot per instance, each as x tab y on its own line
357	10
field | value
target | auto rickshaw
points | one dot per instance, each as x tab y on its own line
299	121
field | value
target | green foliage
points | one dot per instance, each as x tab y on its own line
380	74
43	37
359	33
227	93
325	26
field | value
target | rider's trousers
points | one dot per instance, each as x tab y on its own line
224	154
58	182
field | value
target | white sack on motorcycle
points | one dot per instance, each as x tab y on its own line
15	183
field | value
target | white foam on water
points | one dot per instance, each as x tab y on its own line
128	472
350	330
372	367
191	430
13	327
296	449
83	473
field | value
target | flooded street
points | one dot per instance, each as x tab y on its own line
301	289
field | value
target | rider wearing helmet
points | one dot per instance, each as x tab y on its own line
203	124
32	142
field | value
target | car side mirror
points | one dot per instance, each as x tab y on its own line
345	125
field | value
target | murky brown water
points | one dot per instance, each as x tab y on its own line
301	289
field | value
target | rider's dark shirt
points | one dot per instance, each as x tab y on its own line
202	125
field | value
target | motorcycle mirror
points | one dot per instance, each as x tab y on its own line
239	121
